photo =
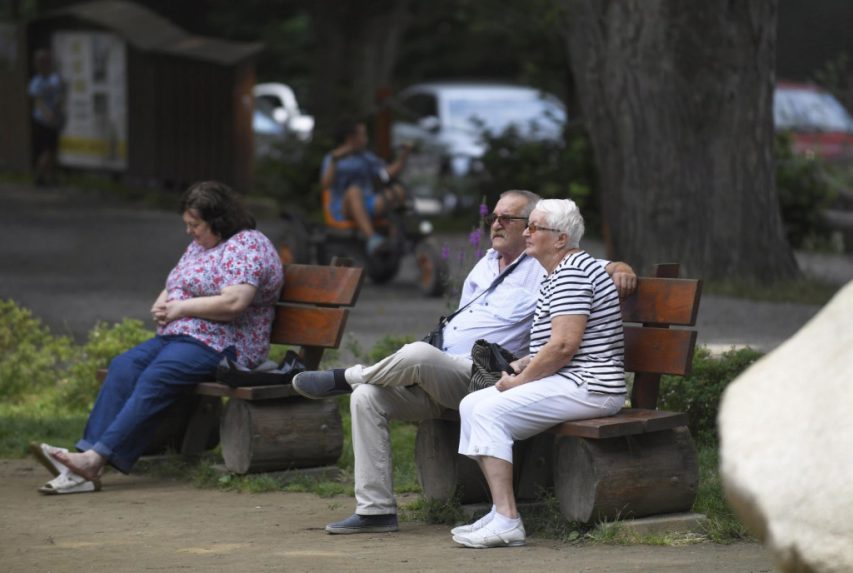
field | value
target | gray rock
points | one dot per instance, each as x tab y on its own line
787	444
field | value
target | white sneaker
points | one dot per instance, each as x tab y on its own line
486	536
473	526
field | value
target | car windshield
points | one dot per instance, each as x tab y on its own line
496	113
801	109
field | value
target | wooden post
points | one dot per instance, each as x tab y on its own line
382	124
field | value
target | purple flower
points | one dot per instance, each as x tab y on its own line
484	209
474	238
445	252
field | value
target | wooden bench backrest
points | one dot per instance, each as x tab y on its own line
313	307
651	347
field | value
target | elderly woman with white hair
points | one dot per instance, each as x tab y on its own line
574	370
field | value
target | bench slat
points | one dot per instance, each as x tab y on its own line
628	422
659	350
663	301
311	284
306	326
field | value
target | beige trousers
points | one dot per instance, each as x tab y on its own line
415	383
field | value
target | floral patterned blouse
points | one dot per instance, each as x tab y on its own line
246	258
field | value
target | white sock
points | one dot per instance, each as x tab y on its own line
488	517
500	522
354	375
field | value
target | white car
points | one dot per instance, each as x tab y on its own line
277	117
449	118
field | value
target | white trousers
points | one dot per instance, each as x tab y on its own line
493	420
415	383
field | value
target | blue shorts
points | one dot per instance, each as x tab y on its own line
336	207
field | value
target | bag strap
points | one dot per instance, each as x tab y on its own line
498	280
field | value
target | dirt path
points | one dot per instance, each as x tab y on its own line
143	524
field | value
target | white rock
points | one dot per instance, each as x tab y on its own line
786	428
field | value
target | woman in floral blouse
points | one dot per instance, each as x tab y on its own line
218	301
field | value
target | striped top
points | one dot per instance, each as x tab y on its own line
580	285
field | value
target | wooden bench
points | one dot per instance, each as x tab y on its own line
269	428
639	462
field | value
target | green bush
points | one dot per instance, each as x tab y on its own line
804	193
553	169
699	394
104	343
31	358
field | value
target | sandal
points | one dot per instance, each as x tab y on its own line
44	454
67	482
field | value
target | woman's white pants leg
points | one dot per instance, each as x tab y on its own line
493	420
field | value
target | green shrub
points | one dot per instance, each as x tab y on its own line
104	343
699	394
803	195
31	358
553	169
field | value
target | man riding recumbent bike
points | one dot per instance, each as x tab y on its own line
367	215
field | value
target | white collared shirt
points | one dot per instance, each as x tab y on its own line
503	315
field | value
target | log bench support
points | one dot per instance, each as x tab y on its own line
638	463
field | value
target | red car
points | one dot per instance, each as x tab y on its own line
818	123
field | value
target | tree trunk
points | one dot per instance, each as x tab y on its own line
358	48
677	97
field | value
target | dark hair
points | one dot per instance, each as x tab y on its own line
219	207
346	128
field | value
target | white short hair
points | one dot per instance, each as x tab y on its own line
564	215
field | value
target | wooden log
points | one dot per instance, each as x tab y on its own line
442	472
168	432
631	476
273	435
202	431
533	466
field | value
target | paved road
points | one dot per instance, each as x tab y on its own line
74	259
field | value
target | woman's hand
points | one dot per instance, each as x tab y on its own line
508	381
520	364
174	309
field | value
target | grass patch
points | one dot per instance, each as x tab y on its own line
802	291
434	511
723	526
21	424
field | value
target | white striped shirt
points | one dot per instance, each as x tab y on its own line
580	285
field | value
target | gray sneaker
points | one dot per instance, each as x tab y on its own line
321	384
364	524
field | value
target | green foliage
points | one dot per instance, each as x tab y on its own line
31	358
699	394
386	346
293	179
553	169
436	511
79	389
803	194
723	526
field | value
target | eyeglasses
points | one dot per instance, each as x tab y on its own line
533	227
503	219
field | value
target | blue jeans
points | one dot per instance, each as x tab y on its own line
140	384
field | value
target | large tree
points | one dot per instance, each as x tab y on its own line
677	97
